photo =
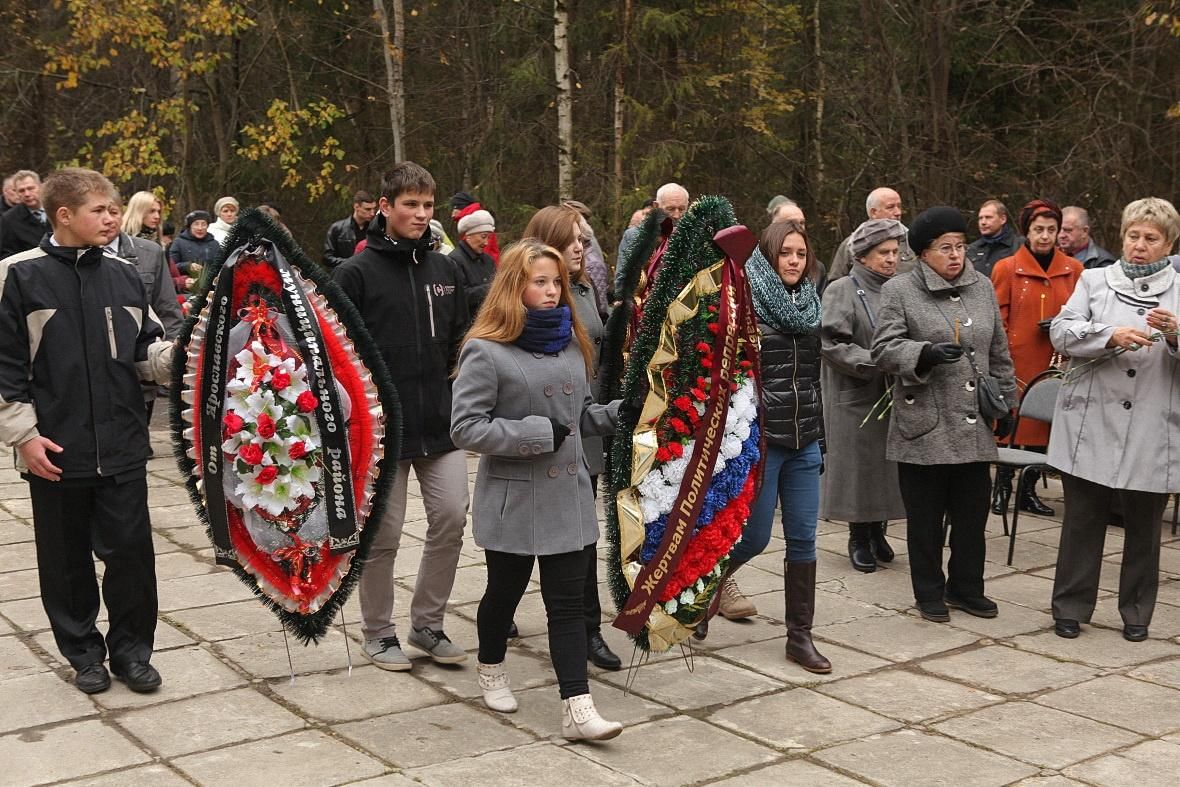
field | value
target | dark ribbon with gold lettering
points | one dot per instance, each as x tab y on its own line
734	322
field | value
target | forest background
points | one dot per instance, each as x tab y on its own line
524	101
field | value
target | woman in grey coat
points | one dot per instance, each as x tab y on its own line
564	228
860	485
522	399
937	325
1116	430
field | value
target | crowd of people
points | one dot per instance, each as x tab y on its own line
888	376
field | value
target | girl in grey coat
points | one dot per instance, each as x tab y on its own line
1116	430
522	399
860	484
930	318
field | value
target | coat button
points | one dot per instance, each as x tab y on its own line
598	340
1126	405
568	388
1130	372
971	419
969	385
571	468
908	400
524	450
1143	288
553	471
536	449
1141	311
549	390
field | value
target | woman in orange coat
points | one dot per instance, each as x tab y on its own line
1031	287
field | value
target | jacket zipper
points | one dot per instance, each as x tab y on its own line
111	333
418	348
795	387
430	309
86	355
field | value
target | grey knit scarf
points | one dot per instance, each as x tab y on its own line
1134	271
788	311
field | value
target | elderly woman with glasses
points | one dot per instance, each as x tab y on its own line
1116	429
939	334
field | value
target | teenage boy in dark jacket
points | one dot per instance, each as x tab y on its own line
76	337
412	302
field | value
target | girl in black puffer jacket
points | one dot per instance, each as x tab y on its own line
781	273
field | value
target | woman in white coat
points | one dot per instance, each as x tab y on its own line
1116	431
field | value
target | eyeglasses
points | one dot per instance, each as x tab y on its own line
946	249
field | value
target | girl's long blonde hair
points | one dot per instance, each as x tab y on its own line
138	206
558	225
501	318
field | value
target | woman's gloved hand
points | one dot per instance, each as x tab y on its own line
560	432
1005	425
939	353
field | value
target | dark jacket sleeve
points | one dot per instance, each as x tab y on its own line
164	300
331	258
18	419
461	320
351	280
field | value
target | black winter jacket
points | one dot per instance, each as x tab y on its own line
20	230
187	249
74	323
477	271
793	415
343	236
412	301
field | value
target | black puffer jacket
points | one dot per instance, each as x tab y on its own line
794	415
412	301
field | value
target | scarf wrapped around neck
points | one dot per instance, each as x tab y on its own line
1134	271
786	310
546	330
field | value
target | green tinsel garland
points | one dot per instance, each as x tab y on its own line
690	250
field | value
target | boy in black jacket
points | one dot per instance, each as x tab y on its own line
412	302
76	337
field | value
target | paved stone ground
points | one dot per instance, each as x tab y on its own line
909	702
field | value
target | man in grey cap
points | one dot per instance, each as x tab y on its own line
882	203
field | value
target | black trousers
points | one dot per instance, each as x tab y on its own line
71	520
563	579
592	606
930	494
1079	557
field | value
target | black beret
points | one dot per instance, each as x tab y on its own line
933	224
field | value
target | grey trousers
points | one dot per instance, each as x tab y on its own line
1079	558
443	481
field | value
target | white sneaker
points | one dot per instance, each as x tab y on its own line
580	721
438	645
386	653
493	681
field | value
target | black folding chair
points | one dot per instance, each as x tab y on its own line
1037	403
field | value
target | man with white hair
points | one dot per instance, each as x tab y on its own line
785	209
1074	239
672	198
882	203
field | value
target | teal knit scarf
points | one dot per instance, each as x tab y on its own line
786	310
1134	271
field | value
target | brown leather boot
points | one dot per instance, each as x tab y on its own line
799	583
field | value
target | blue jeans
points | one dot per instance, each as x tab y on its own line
792	478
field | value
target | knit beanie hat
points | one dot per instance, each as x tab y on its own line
873	233
1038	207
478	221
461	200
221	203
933	224
197	215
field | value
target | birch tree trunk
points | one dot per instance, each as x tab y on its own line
620	95
394	50
565	101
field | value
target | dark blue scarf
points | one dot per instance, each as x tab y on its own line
546	330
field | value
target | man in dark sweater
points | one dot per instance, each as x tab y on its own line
413	303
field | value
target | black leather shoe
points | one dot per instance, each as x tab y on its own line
93	678
1064	627
860	548
701	631
513	631
600	654
1133	633
979	606
934	611
139	676
881	547
1002	490
1031	503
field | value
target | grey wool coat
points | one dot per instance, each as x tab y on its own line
529	500
859	484
1117	422
935	417
586	305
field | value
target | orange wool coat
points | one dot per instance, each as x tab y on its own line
1026	295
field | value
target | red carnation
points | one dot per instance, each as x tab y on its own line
280	379
267	474
683	403
698	394
715	327
713	308
297	451
663	454
676	449
707	363
745	364
678	425
250	454
233	423
307	402
266	426
703	347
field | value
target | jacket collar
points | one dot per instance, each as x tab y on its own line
1144	286
400	249
1026	264
71	255
932	282
866	279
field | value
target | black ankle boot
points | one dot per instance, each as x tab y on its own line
1002	490
1028	495
860	547
881	547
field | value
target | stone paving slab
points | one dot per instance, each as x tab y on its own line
142	776
66	752
799	772
1006	670
186	672
336	697
1119	700
14	531
712	682
898	638
19	584
1150	764
16	660
909	696
525	766
1100	647
540	709
800	719
1166	673
769	658
307	757
910	758
54	701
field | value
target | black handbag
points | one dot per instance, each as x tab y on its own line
992	404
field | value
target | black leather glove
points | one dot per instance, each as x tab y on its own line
1044	325
935	354
1005	425
630	409
560	432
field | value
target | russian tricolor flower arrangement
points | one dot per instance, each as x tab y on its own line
281	413
684	474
